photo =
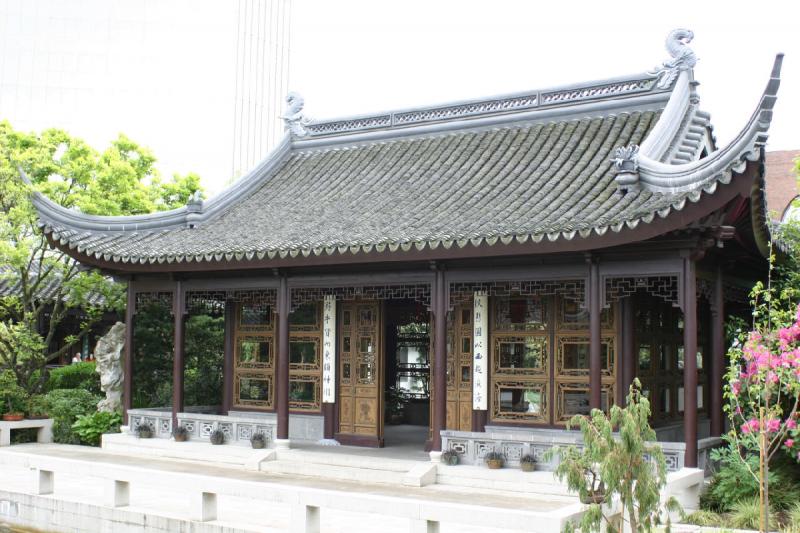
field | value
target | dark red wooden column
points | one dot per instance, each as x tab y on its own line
718	365
439	359
229	353
282	361
689	363
628	346
595	392
127	383
178	363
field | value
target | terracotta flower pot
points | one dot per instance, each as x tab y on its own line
494	464
527	467
13	417
180	438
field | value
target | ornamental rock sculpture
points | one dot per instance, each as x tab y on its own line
108	355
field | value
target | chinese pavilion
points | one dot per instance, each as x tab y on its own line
544	247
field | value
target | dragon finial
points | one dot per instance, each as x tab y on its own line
294	118
626	163
683	57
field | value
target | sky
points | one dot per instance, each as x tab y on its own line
355	56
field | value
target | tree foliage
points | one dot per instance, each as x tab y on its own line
628	465
122	180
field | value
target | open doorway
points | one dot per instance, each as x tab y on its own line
408	371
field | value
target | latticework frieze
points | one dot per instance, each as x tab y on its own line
574	289
417	292
665	287
147	299
214	301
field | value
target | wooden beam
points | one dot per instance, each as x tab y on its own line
439	359
179	350
718	362
127	383
282	360
628	346
228	357
690	363
595	340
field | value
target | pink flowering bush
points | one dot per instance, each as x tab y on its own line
763	390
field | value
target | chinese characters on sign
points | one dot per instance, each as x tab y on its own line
329	350
480	350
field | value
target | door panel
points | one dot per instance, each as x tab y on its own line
459	369
361	381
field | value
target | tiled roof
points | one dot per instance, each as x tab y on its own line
486	172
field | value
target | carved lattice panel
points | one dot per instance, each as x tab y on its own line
463	292
146	299
665	287
420	292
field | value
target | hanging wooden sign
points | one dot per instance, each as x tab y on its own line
480	351
329	350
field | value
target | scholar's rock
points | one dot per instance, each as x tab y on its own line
108	357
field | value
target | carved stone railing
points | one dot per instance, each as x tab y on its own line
513	443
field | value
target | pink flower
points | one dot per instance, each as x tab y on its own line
773	425
789	443
736	387
791	424
750	425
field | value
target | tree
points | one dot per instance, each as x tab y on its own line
46	283
763	380
629	465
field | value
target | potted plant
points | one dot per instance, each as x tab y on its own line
494	460
144	431
13	414
258	440
527	463
450	457
180	434
396	402
217	437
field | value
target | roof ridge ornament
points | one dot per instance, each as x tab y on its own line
683	57
293	118
626	163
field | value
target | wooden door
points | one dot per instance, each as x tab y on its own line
459	369
361	374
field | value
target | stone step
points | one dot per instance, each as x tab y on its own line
354	460
202	452
504	479
336	472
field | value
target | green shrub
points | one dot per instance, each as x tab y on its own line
75	376
793	517
37	405
733	481
65	406
12	396
746	514
90	428
705	518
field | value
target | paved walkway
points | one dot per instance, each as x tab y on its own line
241	513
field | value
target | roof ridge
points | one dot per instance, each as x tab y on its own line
502	104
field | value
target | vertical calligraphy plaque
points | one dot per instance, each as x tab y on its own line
329	349
480	351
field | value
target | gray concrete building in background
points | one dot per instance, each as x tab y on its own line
200	82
